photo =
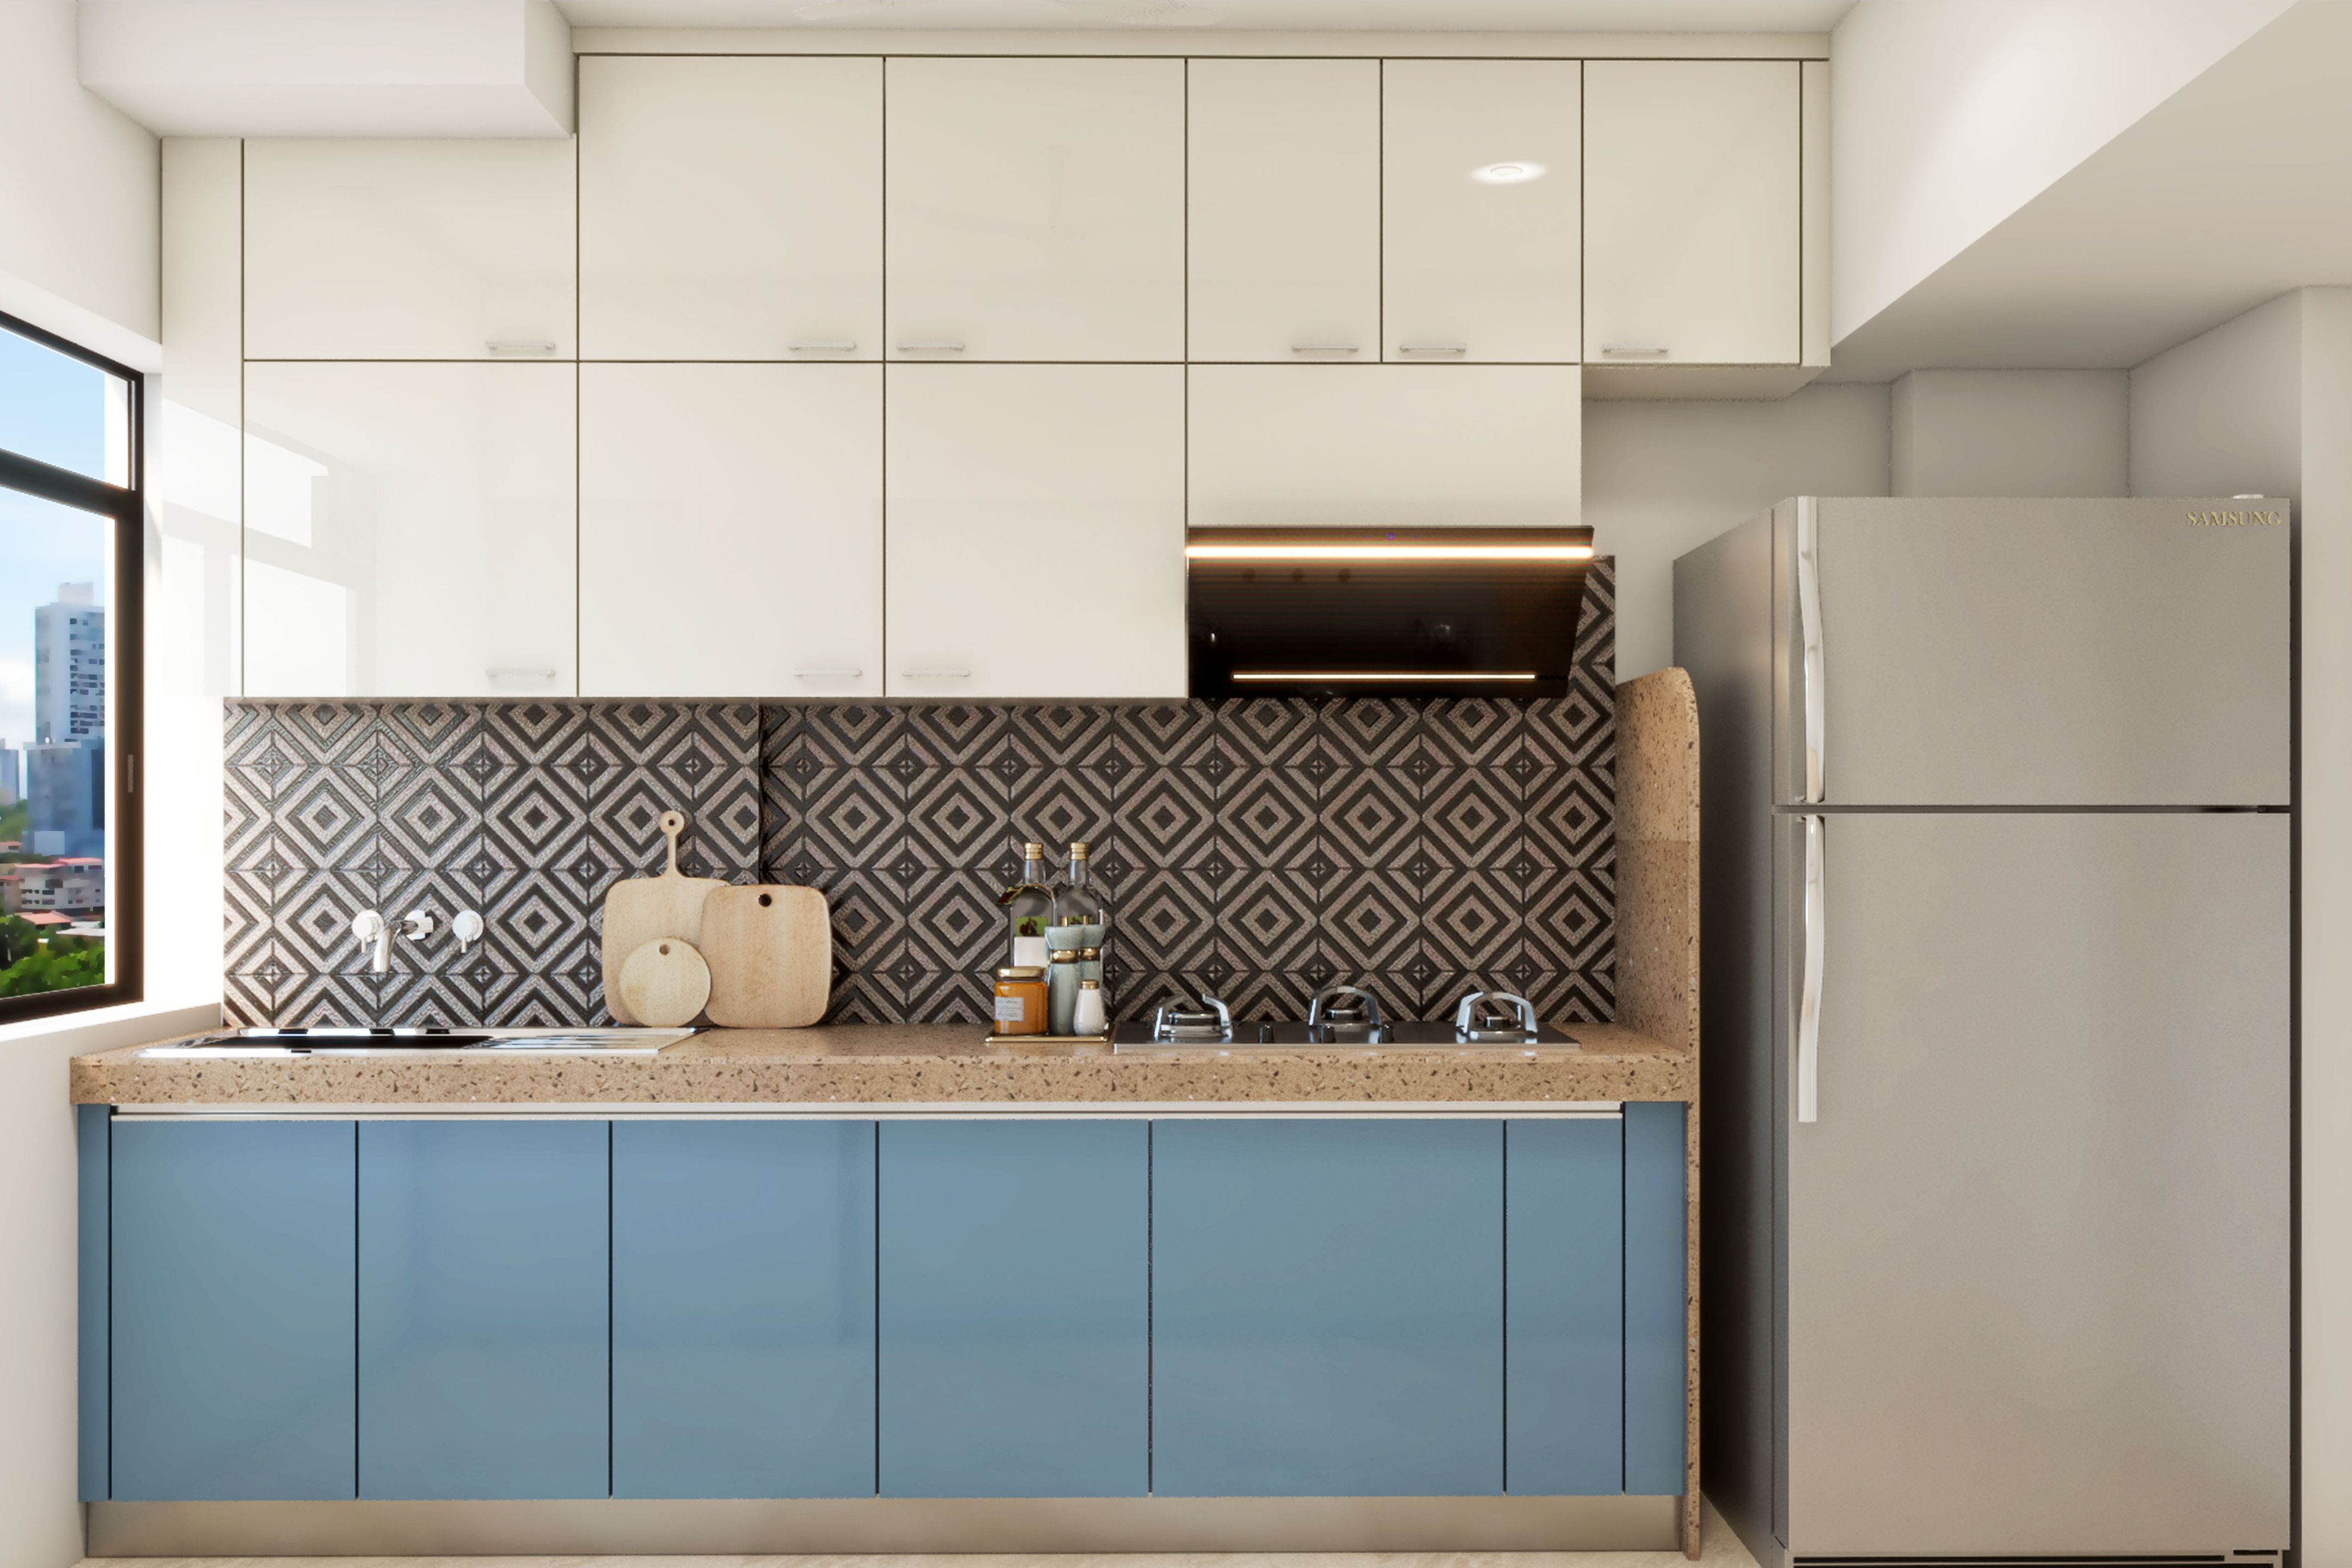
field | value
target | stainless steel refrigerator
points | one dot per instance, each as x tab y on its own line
1995	1090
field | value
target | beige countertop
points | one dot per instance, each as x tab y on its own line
907	1064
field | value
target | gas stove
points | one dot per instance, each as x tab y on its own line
1339	1016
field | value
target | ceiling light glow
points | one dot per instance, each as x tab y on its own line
1517	172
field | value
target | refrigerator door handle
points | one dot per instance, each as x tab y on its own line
1809	630
1809	997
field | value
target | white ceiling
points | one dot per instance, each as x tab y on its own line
2236	189
1278	16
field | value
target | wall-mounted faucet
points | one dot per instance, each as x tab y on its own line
372	928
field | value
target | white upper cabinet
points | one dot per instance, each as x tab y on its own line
1385	446
1481	211
1035	209
409	530
1692	204
1036	530
731	529
731	208
1284	190
359	249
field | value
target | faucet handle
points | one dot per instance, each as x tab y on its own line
467	928
370	927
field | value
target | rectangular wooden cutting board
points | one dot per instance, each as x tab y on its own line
771	954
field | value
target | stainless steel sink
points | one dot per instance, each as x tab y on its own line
345	1042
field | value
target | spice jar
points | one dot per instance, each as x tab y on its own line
1019	1000
1088	1019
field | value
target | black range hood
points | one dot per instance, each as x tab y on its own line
1388	612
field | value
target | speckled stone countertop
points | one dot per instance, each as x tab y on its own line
909	1064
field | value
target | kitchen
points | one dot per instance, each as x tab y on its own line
844	430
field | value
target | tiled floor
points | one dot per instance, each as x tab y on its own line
1723	1551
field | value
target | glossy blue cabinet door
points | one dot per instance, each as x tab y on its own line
93	1130
742	1308
1564	1297
234	1298
1015	1338
1656	1299
1327	1308
483	1308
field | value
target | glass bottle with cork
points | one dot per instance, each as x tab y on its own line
1081	920
1029	906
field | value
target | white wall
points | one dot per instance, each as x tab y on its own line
40	1518
2011	433
1664	478
78	194
2262	404
1945	116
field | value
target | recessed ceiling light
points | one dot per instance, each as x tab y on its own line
1513	173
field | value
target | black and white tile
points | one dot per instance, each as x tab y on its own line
1260	849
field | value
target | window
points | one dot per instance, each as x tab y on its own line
70	662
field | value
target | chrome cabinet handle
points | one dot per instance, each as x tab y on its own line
1809	994
935	675
827	674
845	348
500	672
519	346
1637	351
1809	631
1451	349
1325	349
938	348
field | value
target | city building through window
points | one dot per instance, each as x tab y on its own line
70	564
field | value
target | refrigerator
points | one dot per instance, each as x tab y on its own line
1997	947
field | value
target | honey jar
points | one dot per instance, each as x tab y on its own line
1021	1000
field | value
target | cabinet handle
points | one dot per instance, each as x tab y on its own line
1433	348
1637	351
821	347
519	346
507	672
935	675
1324	349
827	674
939	348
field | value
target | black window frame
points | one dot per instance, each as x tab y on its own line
126	507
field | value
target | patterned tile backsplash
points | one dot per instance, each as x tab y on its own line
1259	848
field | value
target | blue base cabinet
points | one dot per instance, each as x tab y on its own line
1565	1220
1051	1306
483	1308
1327	1308
233	1274
742	1308
1015	1339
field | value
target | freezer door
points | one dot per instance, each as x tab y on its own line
2033	652
2038	1236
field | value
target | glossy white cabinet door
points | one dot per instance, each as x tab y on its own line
1036	530
363	249
1692	212
731	529
1037	209
731	208
1481	210
409	530
1385	446
1284	190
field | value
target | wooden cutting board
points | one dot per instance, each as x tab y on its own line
771	955
666	982
638	909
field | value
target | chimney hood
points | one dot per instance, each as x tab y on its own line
1378	611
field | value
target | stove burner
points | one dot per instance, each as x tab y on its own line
1207	1020
1494	1017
